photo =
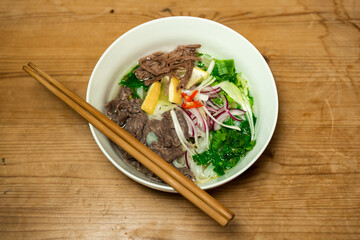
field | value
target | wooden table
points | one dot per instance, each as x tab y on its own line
55	183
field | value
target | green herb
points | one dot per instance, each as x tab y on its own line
200	64
132	82
227	146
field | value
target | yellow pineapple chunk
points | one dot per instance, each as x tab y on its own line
151	98
174	95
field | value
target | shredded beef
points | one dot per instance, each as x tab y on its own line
126	111
178	63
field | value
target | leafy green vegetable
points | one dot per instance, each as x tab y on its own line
224	67
132	82
224	70
227	146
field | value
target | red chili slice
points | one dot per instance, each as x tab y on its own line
186	97
194	104
192	96
189	101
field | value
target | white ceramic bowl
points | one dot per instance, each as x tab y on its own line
166	34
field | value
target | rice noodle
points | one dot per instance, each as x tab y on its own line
220	123
180	133
202	173
194	128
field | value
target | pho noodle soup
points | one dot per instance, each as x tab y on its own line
194	111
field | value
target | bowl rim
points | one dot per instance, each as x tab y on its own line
167	188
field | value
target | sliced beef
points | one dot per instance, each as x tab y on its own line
120	108
135	124
168	145
114	112
126	111
169	154
165	131
182	122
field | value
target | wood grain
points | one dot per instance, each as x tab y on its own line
56	184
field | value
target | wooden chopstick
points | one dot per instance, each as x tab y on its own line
140	152
141	147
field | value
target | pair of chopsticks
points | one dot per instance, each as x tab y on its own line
140	152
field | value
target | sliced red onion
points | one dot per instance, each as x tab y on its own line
238	112
201	119
214	96
221	118
191	115
220	111
211	123
206	134
224	115
200	125
212	104
210	89
198	118
211	109
218	121
193	127
211	92
180	133
226	102
233	111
